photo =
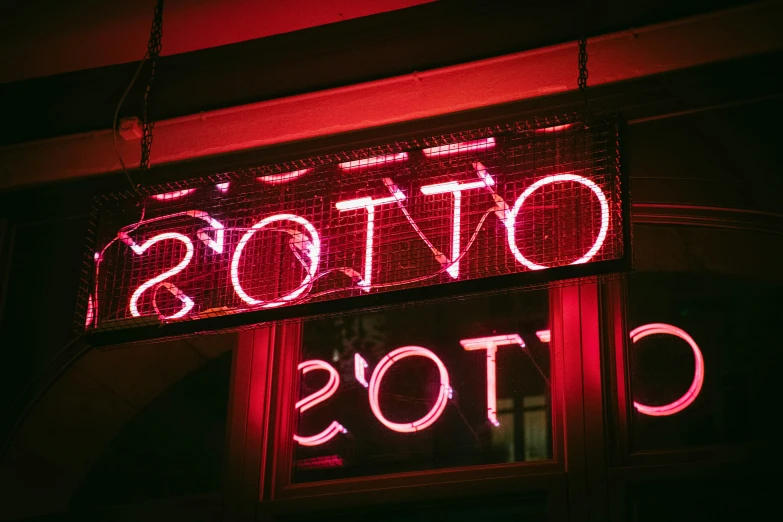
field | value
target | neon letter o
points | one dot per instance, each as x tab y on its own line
375	388
698	373
512	217
314	254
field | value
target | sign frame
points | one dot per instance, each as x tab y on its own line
455	289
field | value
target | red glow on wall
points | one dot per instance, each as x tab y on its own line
690	395
90	315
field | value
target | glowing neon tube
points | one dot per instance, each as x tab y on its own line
368	204
457	148
220	233
167	196
456	190
698	372
187	302
90	312
491	344
311	249
285	177
375	160
554	128
375	388
544	336
510	220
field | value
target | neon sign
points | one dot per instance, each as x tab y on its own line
360	225
445	391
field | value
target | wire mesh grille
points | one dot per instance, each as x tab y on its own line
501	200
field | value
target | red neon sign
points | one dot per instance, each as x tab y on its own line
445	391
400	220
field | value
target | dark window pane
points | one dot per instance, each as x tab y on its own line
418	434
732	321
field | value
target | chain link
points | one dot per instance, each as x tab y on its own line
582	81
153	52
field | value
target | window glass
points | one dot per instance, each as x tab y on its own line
697	355
425	387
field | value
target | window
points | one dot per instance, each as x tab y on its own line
408	389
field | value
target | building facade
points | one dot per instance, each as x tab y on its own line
391	262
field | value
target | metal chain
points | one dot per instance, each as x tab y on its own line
582	81
153	52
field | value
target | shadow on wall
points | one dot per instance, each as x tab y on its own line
129	425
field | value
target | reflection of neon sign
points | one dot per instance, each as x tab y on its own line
316	398
377	378
491	344
698	373
439	400
471	220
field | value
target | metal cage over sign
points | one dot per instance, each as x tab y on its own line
508	205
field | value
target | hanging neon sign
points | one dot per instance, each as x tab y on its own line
507	204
